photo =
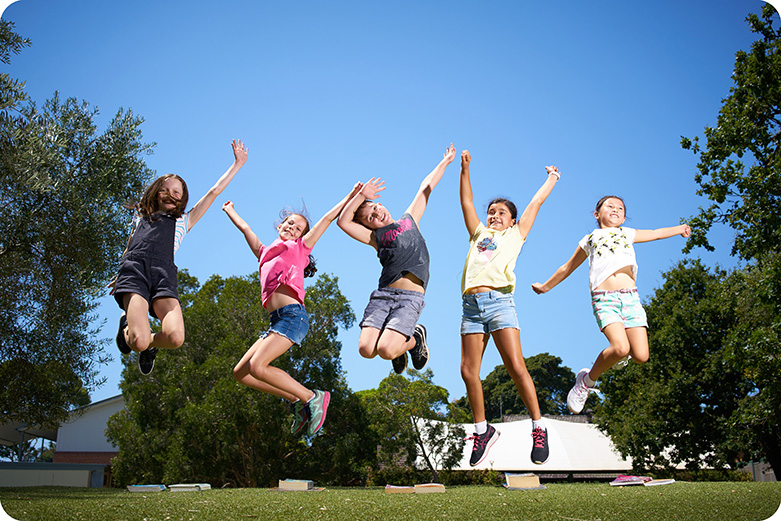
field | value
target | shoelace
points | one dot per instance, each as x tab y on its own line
538	435
479	441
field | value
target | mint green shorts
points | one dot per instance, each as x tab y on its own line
621	305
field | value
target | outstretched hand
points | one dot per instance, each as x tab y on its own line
538	289
466	157
239	151
685	231
372	188
450	154
228	206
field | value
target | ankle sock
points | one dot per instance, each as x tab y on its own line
538	423
588	381
481	427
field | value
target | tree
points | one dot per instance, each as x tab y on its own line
191	421
62	228
402	411
740	166
709	393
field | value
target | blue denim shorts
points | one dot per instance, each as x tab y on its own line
396	309
622	305
291	321
487	312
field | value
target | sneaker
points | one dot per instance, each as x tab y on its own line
121	342
317	406
419	353
539	445
400	363
146	360
481	444
301	416
577	396
622	363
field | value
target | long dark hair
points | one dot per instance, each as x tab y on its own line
509	204
605	198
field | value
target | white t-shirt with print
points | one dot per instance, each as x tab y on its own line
608	250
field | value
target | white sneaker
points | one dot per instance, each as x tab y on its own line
577	396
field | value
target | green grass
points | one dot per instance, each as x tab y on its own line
705	501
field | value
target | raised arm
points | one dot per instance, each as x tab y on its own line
662	233
254	243
465	191
369	191
319	228
240	157
530	213
562	273
418	205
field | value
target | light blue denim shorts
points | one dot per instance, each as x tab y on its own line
291	321
392	308
488	312
621	305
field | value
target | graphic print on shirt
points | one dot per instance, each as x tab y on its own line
391	235
612	242
487	247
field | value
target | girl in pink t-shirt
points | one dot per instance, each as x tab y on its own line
283	265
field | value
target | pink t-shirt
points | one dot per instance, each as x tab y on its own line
283	263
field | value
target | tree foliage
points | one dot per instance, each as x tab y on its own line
401	409
740	165
708	396
191	421
62	227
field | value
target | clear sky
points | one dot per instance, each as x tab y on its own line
329	93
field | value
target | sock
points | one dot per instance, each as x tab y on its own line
538	423
481	427
588	381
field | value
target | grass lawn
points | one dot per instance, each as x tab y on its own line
704	501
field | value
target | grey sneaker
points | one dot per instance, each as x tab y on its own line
419	353
318	406
301	416
146	360
577	396
400	363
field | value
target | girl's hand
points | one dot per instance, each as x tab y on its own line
357	188
685	231
372	188
465	158
239	152
552	170
450	154
538	288
227	207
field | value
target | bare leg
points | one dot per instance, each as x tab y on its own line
138	334
256	364
508	342
169	311
392	344
472	351
367	343
619	347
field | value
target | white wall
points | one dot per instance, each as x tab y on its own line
87	432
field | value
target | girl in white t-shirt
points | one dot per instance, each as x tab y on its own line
612	275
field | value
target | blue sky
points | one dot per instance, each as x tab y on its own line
329	93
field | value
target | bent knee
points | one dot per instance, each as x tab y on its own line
640	359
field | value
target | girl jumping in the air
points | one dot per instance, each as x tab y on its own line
389	327
146	283
612	274
283	265
489	307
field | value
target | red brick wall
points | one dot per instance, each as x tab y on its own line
102	458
